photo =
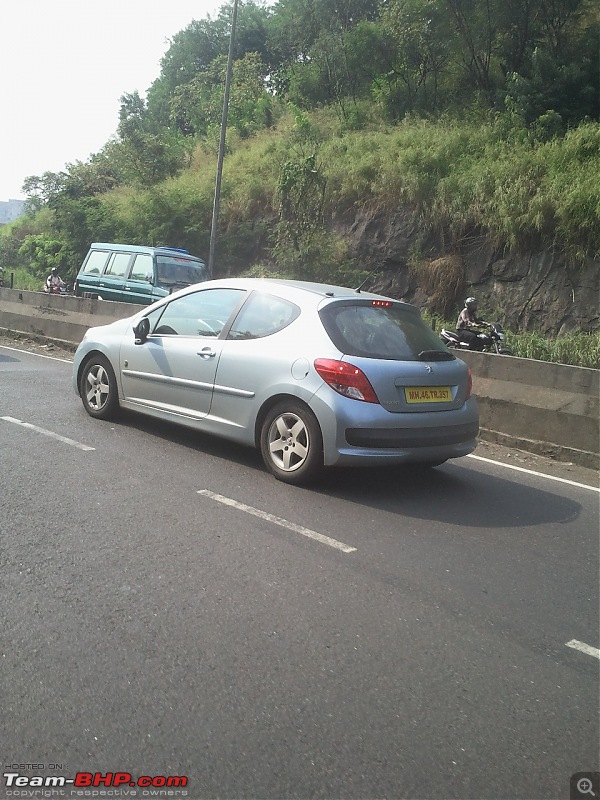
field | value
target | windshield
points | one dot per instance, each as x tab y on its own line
179	271
378	329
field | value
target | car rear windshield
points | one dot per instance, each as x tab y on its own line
176	271
381	329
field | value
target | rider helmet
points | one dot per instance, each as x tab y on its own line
471	303
54	270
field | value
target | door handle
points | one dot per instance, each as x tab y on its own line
207	352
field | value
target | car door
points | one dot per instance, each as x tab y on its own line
112	281
173	370
138	285
256	358
89	274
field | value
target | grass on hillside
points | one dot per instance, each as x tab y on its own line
576	349
456	176
23	279
461	176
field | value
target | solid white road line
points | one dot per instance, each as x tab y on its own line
584	648
39	355
53	435
533	472
319	537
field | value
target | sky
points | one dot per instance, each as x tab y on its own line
64	64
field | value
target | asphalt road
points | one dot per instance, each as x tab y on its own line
169	609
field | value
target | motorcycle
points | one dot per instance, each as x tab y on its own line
62	289
492	341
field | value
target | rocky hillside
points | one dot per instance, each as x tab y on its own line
536	290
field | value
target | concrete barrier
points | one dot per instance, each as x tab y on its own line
60	317
550	409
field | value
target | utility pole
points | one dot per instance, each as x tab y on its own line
215	216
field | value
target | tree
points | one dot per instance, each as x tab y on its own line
44	252
39	190
193	52
418	59
309	40
196	107
476	24
560	73
146	153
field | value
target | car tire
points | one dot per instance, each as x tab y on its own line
291	443
98	388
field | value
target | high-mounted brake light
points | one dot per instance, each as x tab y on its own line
381	303
346	379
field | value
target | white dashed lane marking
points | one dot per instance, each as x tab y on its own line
51	434
318	537
584	648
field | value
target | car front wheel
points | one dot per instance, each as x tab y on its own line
291	443
98	388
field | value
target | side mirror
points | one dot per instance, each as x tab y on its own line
149	277
141	330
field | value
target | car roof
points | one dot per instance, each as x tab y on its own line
290	287
141	248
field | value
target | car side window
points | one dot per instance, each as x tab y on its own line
199	314
263	315
96	262
142	268
118	265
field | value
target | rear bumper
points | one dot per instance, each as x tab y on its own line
409	437
365	433
410	455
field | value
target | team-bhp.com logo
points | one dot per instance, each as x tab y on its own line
86	780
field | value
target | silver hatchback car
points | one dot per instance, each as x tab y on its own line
312	375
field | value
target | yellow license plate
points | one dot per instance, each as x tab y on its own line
427	394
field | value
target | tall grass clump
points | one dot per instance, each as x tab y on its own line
353	166
252	172
573	180
575	349
442	279
23	279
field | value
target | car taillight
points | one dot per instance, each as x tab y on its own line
346	379
469	383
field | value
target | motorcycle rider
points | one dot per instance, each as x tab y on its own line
468	319
54	282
